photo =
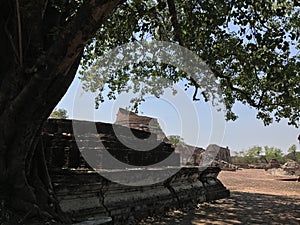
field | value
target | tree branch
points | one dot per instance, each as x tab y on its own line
175	23
238	90
91	15
60	58
19	33
178	37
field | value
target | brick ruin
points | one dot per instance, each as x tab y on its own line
84	193
61	148
290	168
213	155
144	123
189	155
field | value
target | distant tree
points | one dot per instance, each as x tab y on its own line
176	140
292	149
253	154
255	151
291	156
243	153
292	152
235	153
245	156
59	114
236	159
274	153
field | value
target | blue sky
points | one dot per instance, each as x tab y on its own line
197	122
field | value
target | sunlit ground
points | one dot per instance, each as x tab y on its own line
256	198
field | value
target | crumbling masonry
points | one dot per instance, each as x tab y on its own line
83	193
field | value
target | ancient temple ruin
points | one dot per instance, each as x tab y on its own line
84	193
189	155
132	120
213	155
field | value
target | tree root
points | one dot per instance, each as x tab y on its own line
23	212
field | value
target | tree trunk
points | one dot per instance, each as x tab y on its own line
35	72
25	186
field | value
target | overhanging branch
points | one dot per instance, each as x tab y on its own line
60	57
91	15
178	37
233	88
175	23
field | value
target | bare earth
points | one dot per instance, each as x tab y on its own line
256	198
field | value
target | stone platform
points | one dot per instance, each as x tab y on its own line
139	187
86	194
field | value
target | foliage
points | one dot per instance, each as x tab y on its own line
176	140
254	152
292	149
293	156
59	114
246	157
248	45
292	153
274	153
254	155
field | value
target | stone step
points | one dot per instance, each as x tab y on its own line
96	221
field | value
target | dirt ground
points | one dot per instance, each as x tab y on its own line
256	198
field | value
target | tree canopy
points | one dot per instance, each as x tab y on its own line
258	154
251	48
59	114
176	140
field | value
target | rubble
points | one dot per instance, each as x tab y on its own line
291	164
273	163
196	158
189	155
214	155
290	168
223	155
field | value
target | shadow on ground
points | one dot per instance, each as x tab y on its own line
240	208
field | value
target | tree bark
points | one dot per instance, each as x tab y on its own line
25	182
35	74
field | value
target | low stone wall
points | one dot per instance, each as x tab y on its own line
86	194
